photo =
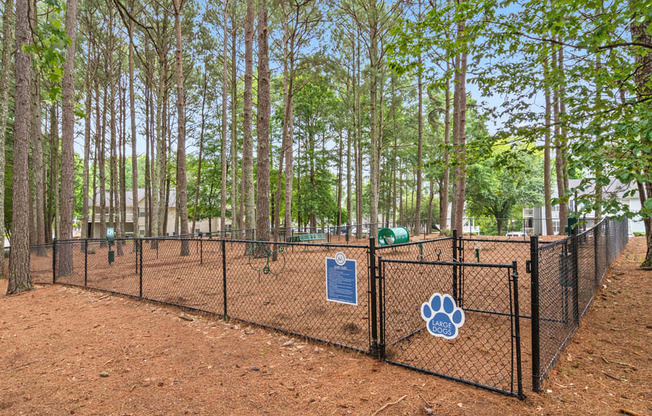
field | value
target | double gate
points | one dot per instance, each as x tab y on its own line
453	319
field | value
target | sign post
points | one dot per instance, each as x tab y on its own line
110	234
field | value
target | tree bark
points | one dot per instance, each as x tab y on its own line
236	220
19	270
201	151
546	154
87	143
247	154
459	133
132	115
37	166
7	38
225	87
182	189
443	191
68	141
262	202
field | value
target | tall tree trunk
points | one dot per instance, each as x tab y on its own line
559	157
87	143
262	188
68	141
639	28
248	146
102	152
201	151
374	168
132	115
19	271
358	169
37	165
459	133
7	38
546	155
182	189
417	216
225	94
236	220
443	190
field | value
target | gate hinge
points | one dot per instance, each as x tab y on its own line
528	266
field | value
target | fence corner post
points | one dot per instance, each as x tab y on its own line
226	316
534	312
575	276
373	350
54	260
455	260
517	331
140	269
85	262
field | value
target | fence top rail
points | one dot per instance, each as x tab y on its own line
448	263
567	239
413	243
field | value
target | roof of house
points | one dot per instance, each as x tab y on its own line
129	198
615	189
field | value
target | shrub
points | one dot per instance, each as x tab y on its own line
639	233
91	250
446	232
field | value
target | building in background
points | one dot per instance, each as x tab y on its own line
94	226
535	217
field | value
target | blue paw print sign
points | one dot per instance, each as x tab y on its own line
443	317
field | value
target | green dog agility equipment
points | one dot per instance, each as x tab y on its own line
391	236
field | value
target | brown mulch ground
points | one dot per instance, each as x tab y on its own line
70	351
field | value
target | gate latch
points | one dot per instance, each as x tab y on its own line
528	266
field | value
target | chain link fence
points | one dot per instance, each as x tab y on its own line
282	285
566	274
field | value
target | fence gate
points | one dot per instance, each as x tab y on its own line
425	325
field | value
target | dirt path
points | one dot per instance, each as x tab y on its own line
69	351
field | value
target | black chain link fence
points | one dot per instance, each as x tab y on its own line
281	285
566	274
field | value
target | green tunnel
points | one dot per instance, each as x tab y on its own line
390	236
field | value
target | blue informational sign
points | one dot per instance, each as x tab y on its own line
341	280
109	232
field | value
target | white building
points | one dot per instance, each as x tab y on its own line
202	226
536	217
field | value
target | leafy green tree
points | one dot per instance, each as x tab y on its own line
495	189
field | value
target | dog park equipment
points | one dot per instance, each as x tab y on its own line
396	235
300	238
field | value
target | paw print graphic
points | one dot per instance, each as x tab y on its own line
443	317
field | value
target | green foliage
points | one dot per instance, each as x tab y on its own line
496	186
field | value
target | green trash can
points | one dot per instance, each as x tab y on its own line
390	236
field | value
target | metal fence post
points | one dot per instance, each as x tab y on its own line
141	269
606	243
226	316
372	293
575	281
596	235
517	331
455	257
85	262
201	250
54	260
534	312
381	309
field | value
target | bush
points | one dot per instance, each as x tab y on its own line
639	233
446	232
91	250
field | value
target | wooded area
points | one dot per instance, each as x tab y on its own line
366	111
